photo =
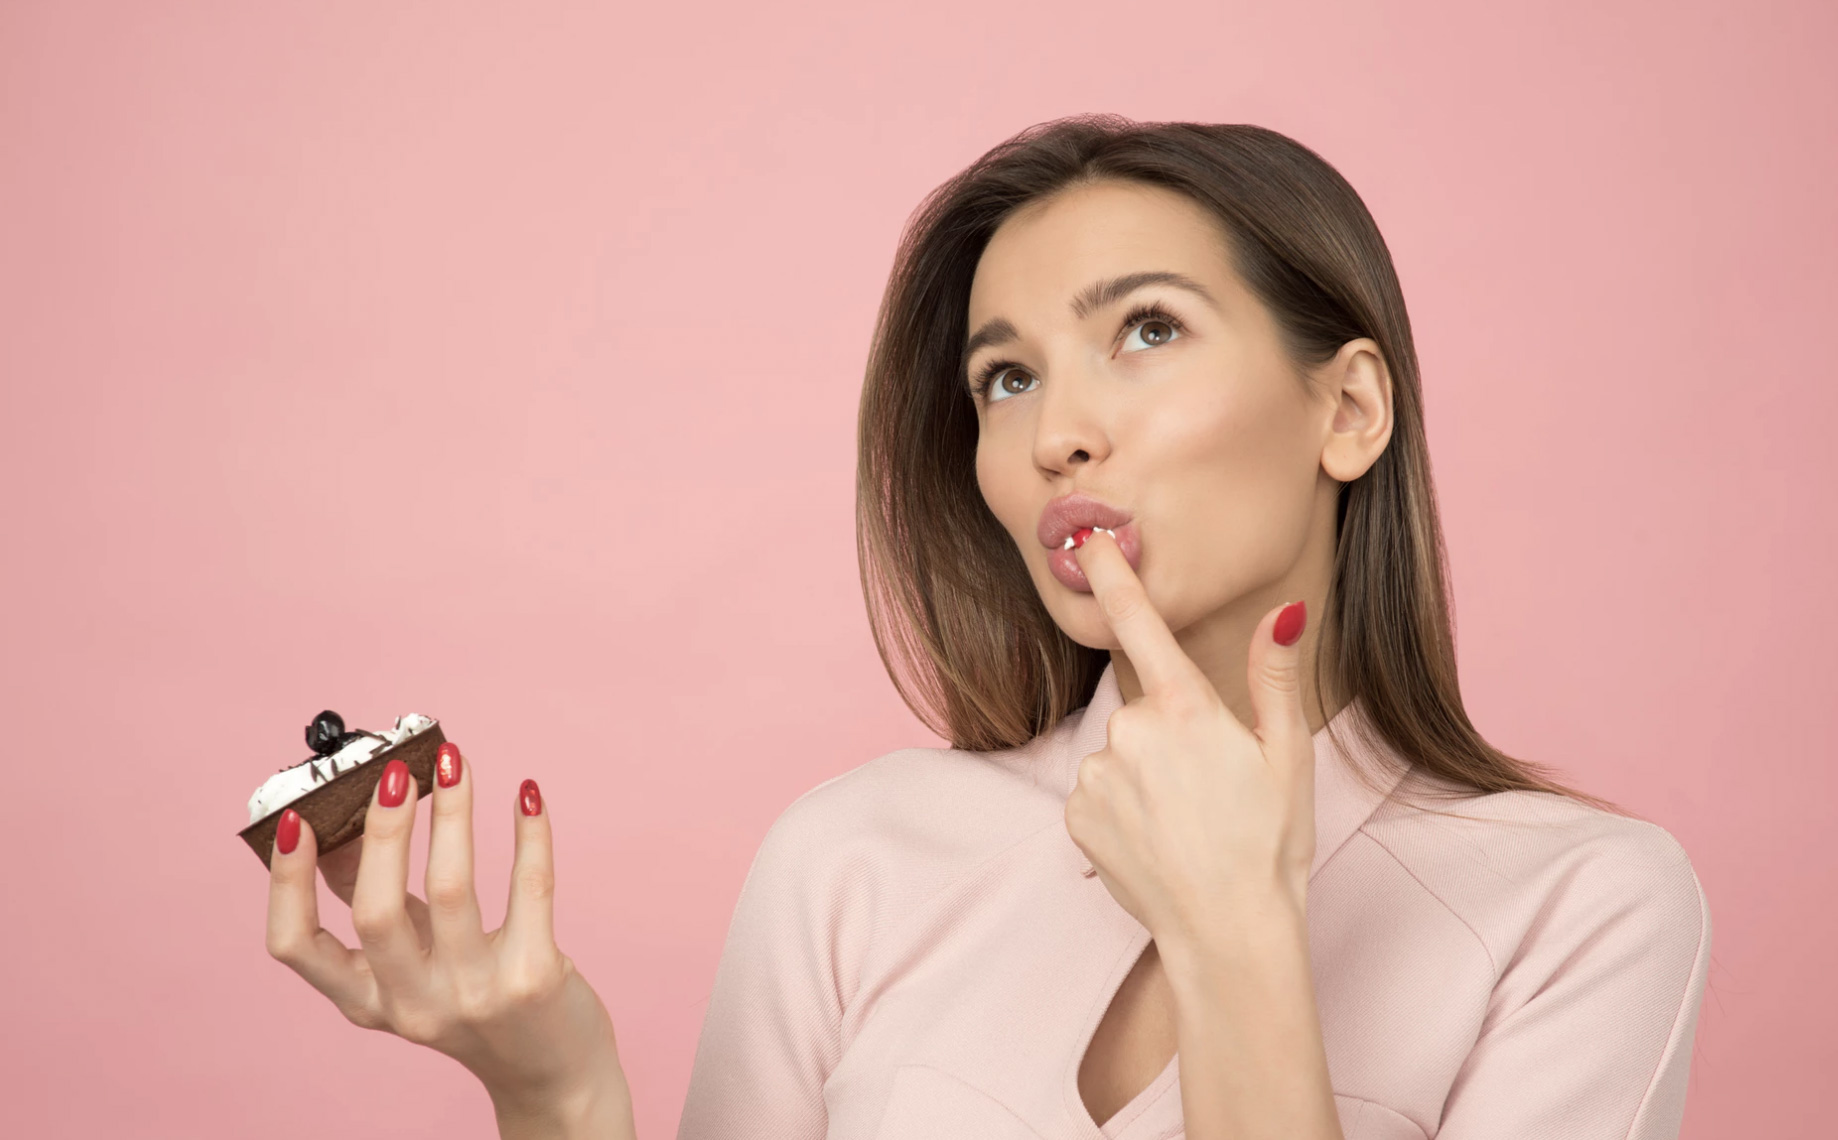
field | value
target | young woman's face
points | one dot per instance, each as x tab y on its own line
1126	378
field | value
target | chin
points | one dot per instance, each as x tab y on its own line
1101	639
1078	617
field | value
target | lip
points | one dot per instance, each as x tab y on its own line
1074	512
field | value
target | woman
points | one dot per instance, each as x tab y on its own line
1147	532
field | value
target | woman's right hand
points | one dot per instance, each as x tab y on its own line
508	1005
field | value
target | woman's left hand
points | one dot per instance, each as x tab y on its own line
1187	815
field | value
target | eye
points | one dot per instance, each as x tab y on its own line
1000	381
1150	332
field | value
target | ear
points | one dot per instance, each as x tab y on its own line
1357	384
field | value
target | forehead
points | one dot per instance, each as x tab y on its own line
1047	251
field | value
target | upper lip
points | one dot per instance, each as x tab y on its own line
1073	512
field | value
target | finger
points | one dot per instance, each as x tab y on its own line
453	903
339	869
529	919
1275	676
379	910
295	937
1146	640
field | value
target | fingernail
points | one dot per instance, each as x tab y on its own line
530	799
447	767
393	788
1078	537
1290	623
287	832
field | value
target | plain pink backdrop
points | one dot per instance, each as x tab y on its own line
501	362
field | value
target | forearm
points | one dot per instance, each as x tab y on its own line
1253	1066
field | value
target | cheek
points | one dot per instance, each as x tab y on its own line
1234	479
1000	481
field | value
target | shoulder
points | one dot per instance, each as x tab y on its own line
1532	870
847	862
912	818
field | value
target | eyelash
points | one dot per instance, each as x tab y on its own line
1140	315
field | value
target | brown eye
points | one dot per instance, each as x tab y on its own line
1150	332
1010	382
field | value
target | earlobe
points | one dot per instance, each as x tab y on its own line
1360	382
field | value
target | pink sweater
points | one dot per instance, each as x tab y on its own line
920	952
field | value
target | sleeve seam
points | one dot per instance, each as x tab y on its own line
1684	1006
1492	965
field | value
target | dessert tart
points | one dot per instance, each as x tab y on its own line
331	789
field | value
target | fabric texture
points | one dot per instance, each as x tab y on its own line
920	950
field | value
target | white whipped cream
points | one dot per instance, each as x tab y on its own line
289	784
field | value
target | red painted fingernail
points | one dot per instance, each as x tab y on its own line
393	788
1290	623
448	767
287	832
1079	536
530	799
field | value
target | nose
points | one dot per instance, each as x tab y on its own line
1070	431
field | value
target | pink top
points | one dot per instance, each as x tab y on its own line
920	952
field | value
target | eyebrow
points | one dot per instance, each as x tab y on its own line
1093	297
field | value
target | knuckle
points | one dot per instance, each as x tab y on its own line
1123	729
1090	775
536	883
452	803
449	893
1185	701
371	922
285	946
418	1026
1282	678
528	983
387	827
1122	605
476	1003
365	1016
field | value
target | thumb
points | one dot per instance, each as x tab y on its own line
1276	681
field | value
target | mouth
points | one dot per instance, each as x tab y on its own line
1069	520
1077	538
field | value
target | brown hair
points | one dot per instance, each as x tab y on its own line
957	620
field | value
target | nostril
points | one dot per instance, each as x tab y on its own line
1081	456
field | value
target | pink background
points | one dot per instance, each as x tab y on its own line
501	364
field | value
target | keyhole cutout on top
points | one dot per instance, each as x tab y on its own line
1134	1041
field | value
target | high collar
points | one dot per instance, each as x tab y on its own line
1343	801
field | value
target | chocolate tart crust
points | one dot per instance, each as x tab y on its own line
336	808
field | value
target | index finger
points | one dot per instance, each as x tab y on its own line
1146	639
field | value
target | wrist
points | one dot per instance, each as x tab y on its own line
1248	928
597	1106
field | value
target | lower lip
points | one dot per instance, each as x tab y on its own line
1064	564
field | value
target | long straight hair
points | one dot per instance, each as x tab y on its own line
956	617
